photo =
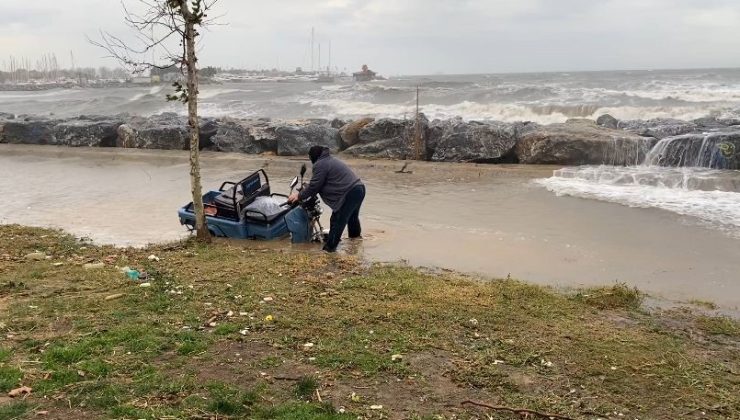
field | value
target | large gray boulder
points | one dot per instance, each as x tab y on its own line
392	148
658	128
90	132
30	130
719	150
296	139
167	131
607	121
385	129
208	129
582	142
245	136
392	139
350	132
478	142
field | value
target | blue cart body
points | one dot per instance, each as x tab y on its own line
228	215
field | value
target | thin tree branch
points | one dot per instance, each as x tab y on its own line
520	411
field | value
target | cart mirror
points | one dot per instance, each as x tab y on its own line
303	169
294	182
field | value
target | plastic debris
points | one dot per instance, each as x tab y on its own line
545	363
308	346
133	274
473	322
396	357
58	264
376	407
153	258
269	318
267	299
354	397
19	392
93	266
145	285
116	296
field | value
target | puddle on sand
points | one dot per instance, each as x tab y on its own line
491	220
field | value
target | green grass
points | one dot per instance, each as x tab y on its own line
306	387
718	326
9	378
703	304
230	401
14	411
619	296
5	354
152	353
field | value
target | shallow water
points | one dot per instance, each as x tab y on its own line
492	220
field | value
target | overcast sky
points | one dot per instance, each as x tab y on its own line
412	36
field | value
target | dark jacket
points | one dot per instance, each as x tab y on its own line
332	179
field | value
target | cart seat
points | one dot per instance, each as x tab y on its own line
242	194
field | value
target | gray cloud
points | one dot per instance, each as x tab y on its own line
416	36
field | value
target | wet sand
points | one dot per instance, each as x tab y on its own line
490	220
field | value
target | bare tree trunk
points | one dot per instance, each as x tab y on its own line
201	227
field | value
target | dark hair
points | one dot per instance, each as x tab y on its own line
315	153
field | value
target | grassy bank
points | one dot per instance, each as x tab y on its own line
225	331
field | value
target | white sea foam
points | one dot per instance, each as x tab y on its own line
711	197
469	110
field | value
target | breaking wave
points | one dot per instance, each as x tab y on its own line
543	98
712	197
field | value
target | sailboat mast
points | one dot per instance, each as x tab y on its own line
312	52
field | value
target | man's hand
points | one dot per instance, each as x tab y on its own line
293	198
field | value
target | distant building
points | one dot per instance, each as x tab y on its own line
167	74
365	75
141	80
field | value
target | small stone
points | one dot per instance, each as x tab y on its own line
58	264
267	299
396	357
376	407
153	258
35	256
115	296
308	346
93	266
473	322
269	318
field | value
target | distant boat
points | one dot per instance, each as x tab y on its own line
366	75
325	78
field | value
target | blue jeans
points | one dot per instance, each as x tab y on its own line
347	216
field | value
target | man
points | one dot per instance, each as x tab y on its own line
340	189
